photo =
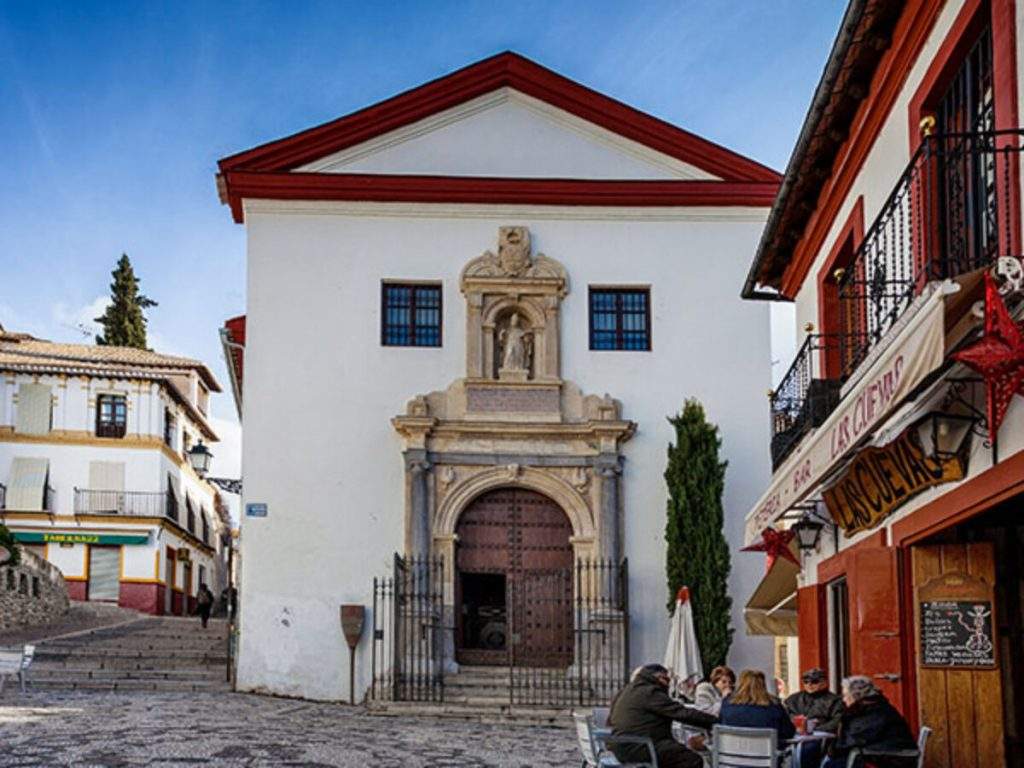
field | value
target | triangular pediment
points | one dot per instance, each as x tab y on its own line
488	100
508	134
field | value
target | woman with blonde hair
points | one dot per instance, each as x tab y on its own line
751	706
709	694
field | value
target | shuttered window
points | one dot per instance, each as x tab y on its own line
26	485
104	572
106	487
34	413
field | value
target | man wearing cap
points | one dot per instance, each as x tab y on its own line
815	702
644	708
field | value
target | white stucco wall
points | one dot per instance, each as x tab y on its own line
320	391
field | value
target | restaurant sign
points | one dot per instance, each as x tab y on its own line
917	350
31	537
881	479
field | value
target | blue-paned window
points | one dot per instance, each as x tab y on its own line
410	315
620	318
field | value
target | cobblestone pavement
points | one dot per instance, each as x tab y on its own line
229	729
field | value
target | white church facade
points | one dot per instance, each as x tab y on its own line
470	310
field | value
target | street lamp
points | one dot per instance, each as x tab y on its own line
808	531
942	435
199	458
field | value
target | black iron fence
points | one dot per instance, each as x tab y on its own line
409	632
131	503
804	397
954	210
566	641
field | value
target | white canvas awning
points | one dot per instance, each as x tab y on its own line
26	485
771	610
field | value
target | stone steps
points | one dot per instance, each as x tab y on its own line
74	675
128	685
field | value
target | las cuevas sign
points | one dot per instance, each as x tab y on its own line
880	479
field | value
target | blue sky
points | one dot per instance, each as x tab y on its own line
113	115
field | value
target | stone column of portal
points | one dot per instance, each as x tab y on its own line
609	469
417	467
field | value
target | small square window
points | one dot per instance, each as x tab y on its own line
111	416
620	319
410	315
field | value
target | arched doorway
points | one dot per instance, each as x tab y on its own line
513	580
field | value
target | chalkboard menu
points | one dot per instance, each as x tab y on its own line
957	633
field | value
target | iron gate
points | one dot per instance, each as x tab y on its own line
408	631
567	639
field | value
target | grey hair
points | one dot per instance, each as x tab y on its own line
859	687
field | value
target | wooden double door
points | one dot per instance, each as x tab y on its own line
514	581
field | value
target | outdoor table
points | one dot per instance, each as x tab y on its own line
804	738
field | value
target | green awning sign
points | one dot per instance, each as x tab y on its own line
27	537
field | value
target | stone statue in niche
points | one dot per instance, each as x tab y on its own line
516	345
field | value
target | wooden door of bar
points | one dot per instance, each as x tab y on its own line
520	535
963	707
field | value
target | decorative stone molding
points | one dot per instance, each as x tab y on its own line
513	403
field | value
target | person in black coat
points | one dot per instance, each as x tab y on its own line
750	706
870	721
644	708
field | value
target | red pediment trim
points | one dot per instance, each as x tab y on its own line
497	191
504	70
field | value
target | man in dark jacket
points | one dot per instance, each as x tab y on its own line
870	722
816	701
644	708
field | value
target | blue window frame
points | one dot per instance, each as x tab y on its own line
410	315
620	319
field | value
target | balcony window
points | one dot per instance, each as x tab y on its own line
410	315
111	416
190	521
620	319
205	530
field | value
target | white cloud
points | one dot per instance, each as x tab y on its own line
80	321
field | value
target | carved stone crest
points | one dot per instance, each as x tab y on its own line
514	259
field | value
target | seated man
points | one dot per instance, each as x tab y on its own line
815	702
644	708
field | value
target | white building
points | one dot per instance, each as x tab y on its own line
94	476
495	289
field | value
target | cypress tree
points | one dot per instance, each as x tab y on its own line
697	551
124	324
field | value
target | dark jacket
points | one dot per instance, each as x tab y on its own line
644	708
758	716
874	723
824	706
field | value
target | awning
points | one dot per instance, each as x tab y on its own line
771	610
917	349
27	485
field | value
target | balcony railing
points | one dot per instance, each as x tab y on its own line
129	503
953	211
804	398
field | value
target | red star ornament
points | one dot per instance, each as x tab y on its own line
774	544
998	356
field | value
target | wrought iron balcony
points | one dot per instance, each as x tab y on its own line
954	210
128	503
804	398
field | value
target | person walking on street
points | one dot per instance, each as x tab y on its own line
204	603
644	708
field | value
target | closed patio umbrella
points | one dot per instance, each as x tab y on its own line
682	656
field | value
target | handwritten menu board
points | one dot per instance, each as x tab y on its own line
957	633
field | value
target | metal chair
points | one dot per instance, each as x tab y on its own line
735	747
865	754
593	745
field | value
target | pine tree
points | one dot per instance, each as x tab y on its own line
124	324
697	551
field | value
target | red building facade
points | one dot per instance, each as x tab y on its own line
901	203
